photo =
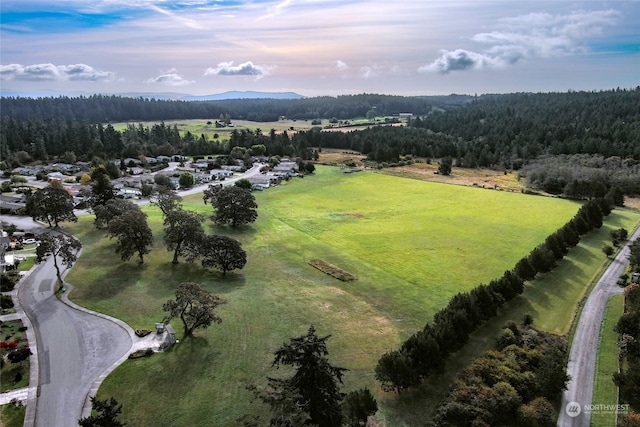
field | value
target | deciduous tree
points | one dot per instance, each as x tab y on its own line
183	233
58	246
233	205
111	209
133	233
167	200
52	204
186	180
222	252
194	306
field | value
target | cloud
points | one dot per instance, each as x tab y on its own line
536	35
170	78
244	69
191	23
341	65
460	60
368	72
50	72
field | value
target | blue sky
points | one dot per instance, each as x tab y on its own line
318	47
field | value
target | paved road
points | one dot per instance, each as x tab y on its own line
582	358
74	348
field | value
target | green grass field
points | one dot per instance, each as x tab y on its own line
411	244
605	391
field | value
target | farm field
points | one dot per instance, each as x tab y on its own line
411	244
207	126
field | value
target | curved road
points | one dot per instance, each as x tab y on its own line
584	349
75	348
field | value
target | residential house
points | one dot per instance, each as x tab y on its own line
221	173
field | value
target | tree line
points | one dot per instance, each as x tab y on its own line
499	131
113	108
426	351
503	129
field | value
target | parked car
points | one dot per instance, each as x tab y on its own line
29	241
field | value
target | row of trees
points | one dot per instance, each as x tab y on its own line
628	328
515	384
426	351
125	221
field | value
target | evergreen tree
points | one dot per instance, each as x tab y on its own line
105	414
314	386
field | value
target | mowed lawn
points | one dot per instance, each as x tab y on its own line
605	391
411	244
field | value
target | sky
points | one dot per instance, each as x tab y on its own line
317	47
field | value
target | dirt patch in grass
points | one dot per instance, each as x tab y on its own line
347	215
482	178
332	270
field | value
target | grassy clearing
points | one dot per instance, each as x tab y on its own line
605	391
411	244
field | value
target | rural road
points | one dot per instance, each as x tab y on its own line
75	348
582	358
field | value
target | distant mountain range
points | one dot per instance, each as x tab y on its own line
168	95
244	95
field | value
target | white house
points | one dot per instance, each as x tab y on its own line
221	173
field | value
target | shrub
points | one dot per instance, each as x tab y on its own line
6	302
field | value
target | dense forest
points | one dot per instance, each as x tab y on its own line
103	109
579	144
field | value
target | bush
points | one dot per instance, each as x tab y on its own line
6	283
6	302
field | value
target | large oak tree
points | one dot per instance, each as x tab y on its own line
233	205
133	233
52	204
183	233
194	306
222	252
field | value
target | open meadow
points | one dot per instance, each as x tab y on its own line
208	127
411	244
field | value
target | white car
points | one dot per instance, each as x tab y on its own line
29	241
